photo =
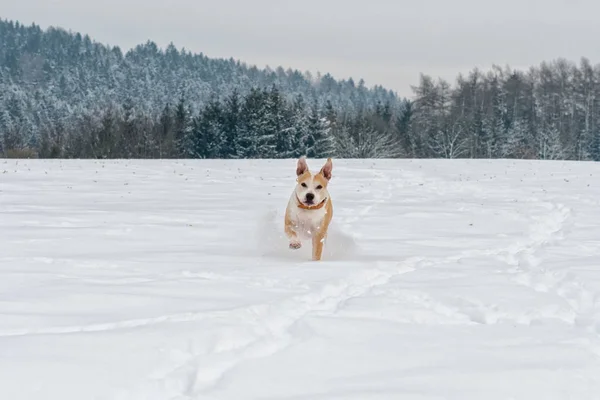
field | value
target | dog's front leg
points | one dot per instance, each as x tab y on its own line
291	233
318	241
321	234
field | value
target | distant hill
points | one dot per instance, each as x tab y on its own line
58	75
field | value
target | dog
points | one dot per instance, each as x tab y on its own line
310	209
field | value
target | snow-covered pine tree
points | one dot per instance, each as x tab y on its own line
266	135
278	120
231	123
105	142
246	144
298	129
208	135
129	141
319	142
166	133
6	128
331	116
185	144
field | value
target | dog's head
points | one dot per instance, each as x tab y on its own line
312	188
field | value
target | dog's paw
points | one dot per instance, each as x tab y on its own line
295	245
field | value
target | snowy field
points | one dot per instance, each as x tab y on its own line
158	280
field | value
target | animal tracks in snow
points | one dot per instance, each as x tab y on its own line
545	228
267	329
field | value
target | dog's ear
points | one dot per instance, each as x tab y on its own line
302	166
327	168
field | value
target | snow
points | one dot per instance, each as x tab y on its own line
172	280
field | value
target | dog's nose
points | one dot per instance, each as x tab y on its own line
310	197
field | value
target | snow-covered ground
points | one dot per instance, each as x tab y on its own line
159	280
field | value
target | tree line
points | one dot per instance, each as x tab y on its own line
261	124
548	112
63	95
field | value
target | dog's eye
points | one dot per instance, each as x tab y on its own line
319	187
303	184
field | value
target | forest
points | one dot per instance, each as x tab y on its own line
63	95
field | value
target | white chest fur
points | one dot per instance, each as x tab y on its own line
306	222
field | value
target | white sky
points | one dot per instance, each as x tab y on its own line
387	42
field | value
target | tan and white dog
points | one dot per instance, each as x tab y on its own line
310	209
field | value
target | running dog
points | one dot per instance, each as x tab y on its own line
309	210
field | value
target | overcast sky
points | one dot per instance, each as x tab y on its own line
387	42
